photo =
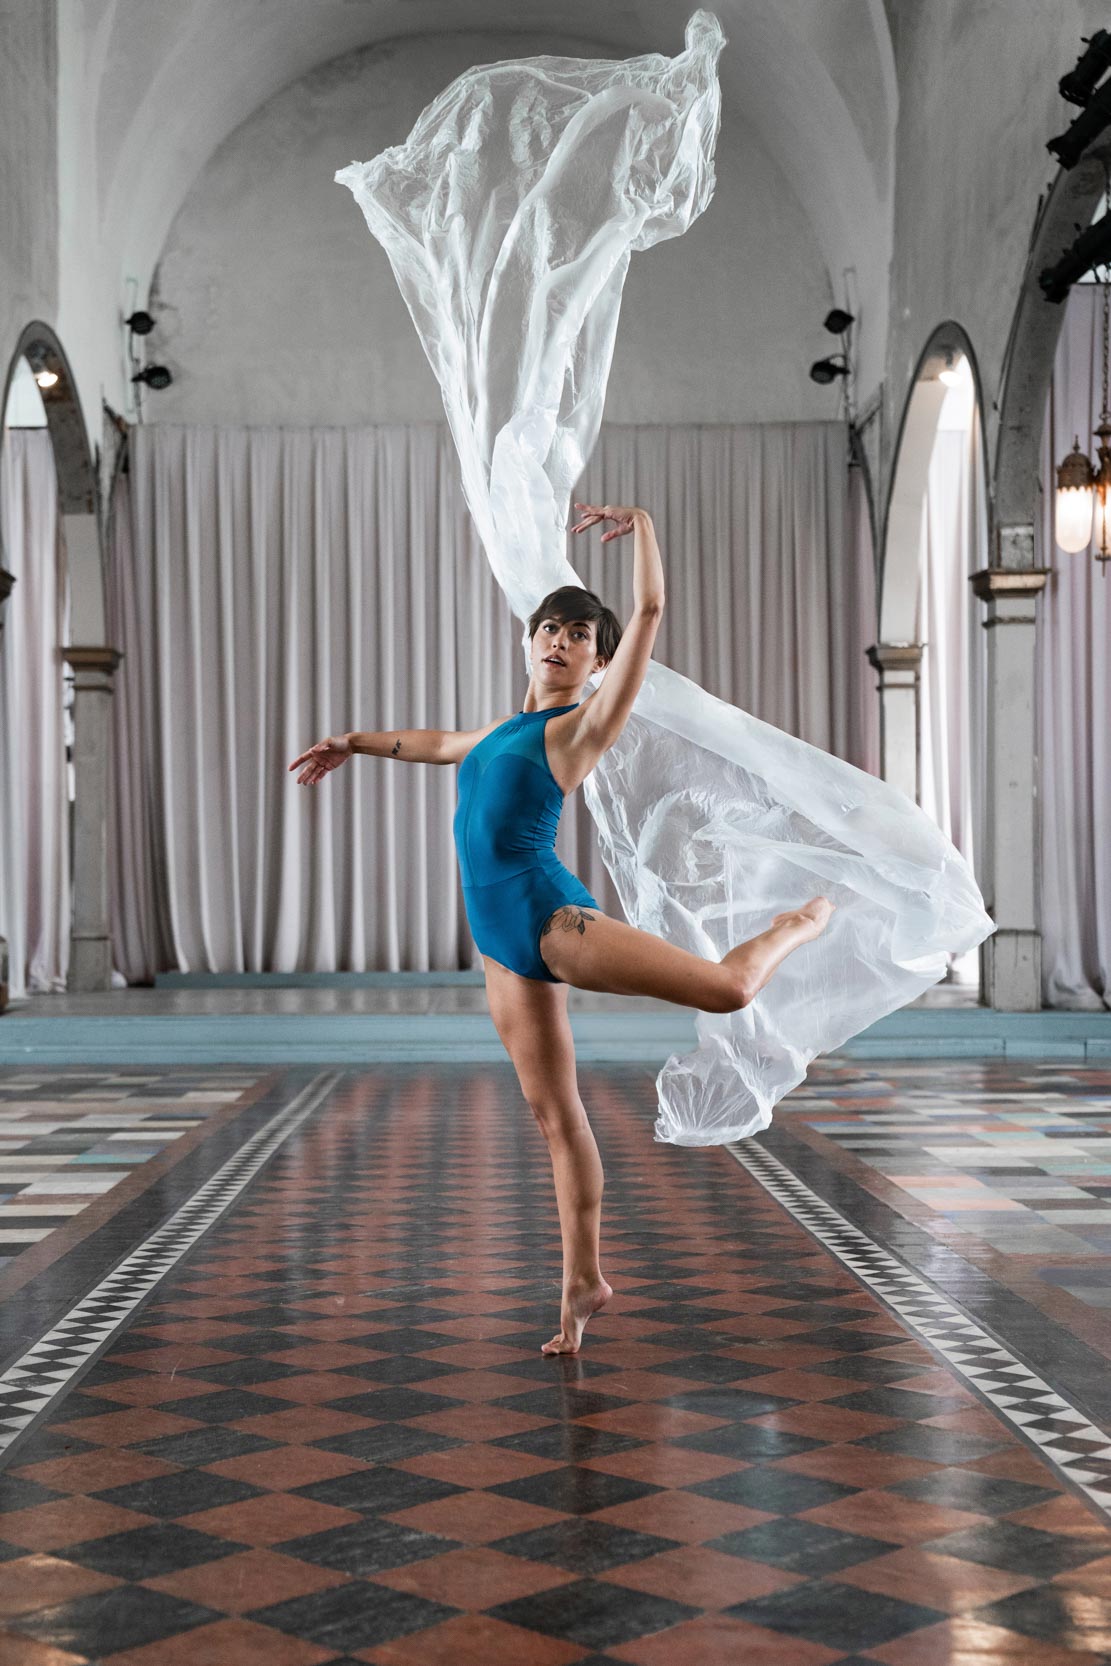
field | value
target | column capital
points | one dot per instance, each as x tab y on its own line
895	656
92	659
94	667
991	583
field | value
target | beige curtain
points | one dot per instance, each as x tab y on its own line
35	896
1073	686
954	664
270	586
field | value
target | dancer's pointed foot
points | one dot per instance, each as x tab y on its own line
812	917
580	1300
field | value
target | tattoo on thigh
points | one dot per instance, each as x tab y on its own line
568	918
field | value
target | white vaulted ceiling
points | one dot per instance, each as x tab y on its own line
165	81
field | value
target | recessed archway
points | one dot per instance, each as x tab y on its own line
897	656
91	659
1010	586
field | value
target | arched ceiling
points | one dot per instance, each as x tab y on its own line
166	84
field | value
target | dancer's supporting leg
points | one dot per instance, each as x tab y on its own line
531	1019
589	950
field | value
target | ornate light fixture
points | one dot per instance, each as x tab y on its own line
1083	506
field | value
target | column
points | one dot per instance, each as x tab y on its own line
1010	960
90	964
899	665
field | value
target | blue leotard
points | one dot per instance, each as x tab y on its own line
505	827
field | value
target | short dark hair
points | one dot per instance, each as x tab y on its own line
569	604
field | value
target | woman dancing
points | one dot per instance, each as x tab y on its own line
537	928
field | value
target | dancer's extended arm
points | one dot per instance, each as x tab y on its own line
410	746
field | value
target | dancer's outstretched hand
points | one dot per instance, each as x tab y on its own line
321	759
593	513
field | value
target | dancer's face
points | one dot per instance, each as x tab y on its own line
576	644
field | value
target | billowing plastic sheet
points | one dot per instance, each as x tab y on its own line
509	216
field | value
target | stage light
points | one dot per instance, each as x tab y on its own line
155	376
140	323
828	370
1092	248
1080	83
838	321
1069	147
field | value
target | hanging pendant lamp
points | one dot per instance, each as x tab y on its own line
1083	502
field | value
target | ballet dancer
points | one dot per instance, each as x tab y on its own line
536	926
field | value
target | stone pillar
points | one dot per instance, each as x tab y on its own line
1010	960
899	665
90	964
6	581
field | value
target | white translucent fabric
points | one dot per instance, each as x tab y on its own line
509	216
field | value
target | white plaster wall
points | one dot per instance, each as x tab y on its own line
28	172
275	304
977	101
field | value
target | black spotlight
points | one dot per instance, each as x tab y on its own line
1092	248
155	376
1080	83
1070	146
140	323
837	321
828	370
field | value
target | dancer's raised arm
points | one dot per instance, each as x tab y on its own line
606	712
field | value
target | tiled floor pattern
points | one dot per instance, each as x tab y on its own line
329	1435
1020	1161
34	1379
67	1136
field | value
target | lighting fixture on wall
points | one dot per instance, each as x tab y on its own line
838	322
828	370
140	323
950	375
154	375
46	378
1080	87
1080	83
1092	248
1083	501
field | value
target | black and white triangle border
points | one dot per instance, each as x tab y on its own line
1063	1434
31	1384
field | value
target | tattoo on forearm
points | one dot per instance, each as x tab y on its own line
568	918
396	747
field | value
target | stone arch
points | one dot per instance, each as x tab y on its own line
897	656
1010	586
1028	360
92	660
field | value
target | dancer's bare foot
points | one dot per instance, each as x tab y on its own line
760	955
580	1300
812	917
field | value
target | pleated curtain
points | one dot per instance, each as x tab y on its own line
35	894
1074	697
954	661
272	586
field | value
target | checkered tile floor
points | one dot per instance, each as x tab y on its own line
67	1137
329	1436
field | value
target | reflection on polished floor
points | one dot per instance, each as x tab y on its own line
274	1393
343	995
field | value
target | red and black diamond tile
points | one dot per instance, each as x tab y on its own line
329	1435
